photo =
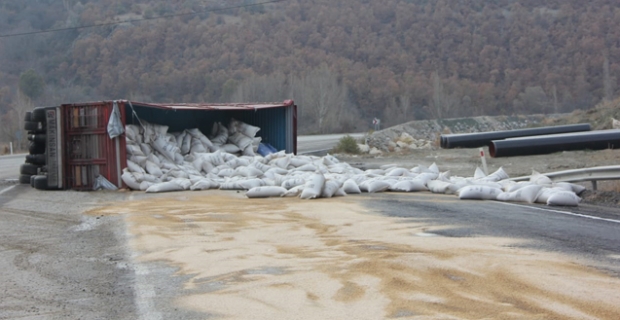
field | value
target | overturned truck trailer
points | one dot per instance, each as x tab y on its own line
79	148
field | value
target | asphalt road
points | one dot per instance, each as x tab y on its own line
9	166
321	143
589	233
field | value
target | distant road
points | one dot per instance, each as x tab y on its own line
324	142
9	166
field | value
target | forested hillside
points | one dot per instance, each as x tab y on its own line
343	61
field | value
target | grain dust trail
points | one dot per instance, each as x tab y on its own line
333	259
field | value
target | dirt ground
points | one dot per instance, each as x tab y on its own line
463	162
282	258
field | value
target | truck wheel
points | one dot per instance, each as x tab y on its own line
32	181
32	126
40	183
38	114
28	116
36	148
24	178
29	169
39	138
37	159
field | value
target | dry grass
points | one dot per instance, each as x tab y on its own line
4	149
614	186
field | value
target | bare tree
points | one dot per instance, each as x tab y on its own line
532	100
398	110
323	98
607	80
444	103
12	128
267	88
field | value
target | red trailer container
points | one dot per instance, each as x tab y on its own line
87	151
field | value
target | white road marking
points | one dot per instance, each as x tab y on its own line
562	212
7	189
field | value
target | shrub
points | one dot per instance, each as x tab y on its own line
347	144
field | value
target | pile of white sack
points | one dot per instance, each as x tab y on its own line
159	161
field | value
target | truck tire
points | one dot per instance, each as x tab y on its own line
29	169
36	159
24	178
32	181
39	137
32	126
28	116
38	114
40	183
36	148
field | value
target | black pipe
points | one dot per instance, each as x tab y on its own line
481	139
593	140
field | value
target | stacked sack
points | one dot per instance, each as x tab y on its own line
159	161
539	189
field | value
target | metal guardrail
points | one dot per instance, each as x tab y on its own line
592	174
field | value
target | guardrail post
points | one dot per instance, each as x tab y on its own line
594	185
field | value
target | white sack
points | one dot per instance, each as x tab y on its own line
230	148
294	192
265	192
545	193
153	169
540	179
478	192
134	150
197	146
139	160
204	184
409	186
577	189
438	186
330	188
314	187
291	183
351	187
248	184
146	149
526	194
130	180
479	174
134	167
564	198
186	144
378	186
165	148
144	185
248	151
205	141
132	132
498	175
240	140
164	187
222	134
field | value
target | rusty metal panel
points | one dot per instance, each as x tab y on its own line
89	151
